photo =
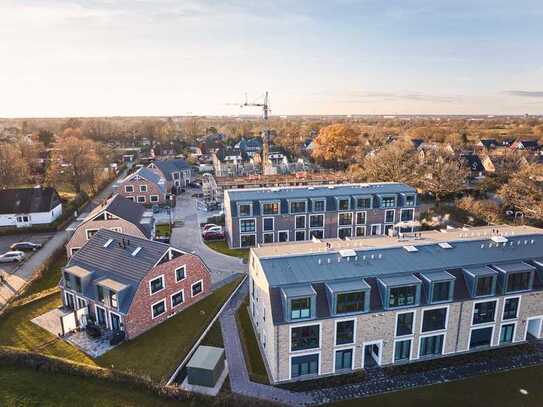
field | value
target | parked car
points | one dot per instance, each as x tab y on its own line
9	257
25	246
213	233
194	185
209	225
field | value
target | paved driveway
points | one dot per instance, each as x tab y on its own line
7	241
188	237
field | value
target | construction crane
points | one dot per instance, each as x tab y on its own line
266	133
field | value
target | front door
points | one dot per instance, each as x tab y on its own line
115	322
70	301
101	317
375	230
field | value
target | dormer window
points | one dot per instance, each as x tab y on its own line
481	281
270	208
518	282
388	202
350	302
363	202
245	209
440	286
319	205
298	206
516	277
343	204
300	308
349	296
485	286
299	302
402	296
410	200
400	291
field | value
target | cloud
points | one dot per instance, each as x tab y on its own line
366	97
525	93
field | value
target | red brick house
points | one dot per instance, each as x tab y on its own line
131	284
145	187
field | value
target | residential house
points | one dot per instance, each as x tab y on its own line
128	283
529	145
474	165
284	214
177	172
487	144
488	164
117	213
333	307
145	187
25	207
250	147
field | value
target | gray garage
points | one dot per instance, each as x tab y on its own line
206	366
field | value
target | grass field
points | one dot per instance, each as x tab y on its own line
253	358
49	278
25	387
163	230
17	330
157	352
222	247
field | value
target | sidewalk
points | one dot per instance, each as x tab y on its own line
24	274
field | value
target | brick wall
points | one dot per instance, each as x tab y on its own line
152	189
139	318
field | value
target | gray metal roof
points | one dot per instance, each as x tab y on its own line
130	211
299	291
481	271
116	262
347	285
169	166
150	176
395	260
318	191
436	276
515	266
391	281
206	357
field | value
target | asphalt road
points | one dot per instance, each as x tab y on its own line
7	241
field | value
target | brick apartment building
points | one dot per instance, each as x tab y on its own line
145	187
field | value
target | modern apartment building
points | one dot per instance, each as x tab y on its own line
288	214
328	307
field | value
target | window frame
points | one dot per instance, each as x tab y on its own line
414	324
530	282
343	198
339	224
447	314
141	201
518	307
126	189
192	295
296	217
244	220
365	294
495	301
238	204
410	209
382	198
360	227
313	200
154	198
342	349
365	218
283	231
482	326
184	267
418	290
291	201
264	234
90	230
403	339
163	300
311	231
385	222
515	326
161	276
357	197
422	336
311	353
143	188
262	203
493	286
310	350
263	224
339	228
182	291
336	322
300	231
289	308
318	215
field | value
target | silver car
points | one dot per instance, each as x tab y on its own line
9	257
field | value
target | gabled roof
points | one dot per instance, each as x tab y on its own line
167	167
28	200
489	143
117	262
126	209
473	162
150	176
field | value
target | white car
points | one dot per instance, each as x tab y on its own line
9	257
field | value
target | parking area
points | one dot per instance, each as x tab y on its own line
7	241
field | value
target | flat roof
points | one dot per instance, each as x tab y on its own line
348	285
299	290
436	276
112	284
481	271
514	267
392	281
78	271
206	357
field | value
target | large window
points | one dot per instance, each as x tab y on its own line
159	308
407	215
363	203
441	291
350	302
156	284
507	333
267	224
404	323
360	231
345	219
345	332
361	218
484	312
319	205
300	222
180	273
300	308
304	365
270	208
267	237
304	337
434	319
298	207
177	299
484	286
518	281
389	215
344	232
196	288
388	202
247	240
299	235
410	200
316	221
402	350
402	296
431	345
317	233
344	204
510	308
247	225
481	337
344	359
245	209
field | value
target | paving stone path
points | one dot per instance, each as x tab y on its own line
377	383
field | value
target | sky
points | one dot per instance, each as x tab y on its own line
200	57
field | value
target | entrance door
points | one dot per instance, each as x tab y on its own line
70	301
375	229
115	322
533	328
101	317
372	355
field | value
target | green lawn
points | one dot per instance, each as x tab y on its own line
222	247
25	387
214	336
501	389
157	352
49	278
17	330
163	230
255	364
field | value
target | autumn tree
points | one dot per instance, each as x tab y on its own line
46	137
396	162
76	161
485	209
524	191
337	143
441	173
13	168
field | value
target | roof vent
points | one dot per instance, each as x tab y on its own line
108	242
136	251
411	249
445	245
